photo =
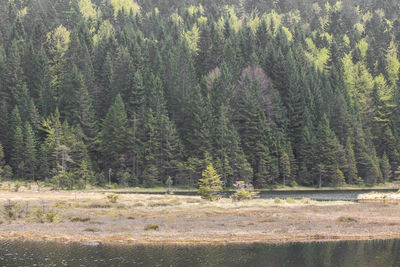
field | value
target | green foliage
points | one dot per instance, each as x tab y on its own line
43	216
210	184
271	92
11	210
290	200
17	186
79	219
113	198
244	191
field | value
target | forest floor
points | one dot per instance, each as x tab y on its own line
81	216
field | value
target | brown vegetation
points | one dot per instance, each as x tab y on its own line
86	216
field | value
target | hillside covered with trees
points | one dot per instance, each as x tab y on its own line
268	91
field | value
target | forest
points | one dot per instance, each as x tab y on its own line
270	92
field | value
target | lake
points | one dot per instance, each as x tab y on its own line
344	253
319	195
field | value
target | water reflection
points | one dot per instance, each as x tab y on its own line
353	253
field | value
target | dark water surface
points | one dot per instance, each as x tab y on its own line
321	195
348	253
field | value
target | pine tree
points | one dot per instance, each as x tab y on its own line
30	152
15	74
386	169
114	134
5	125
2	161
17	144
285	167
328	157
351	172
210	184
17	155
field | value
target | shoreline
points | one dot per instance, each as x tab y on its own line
21	237
84	217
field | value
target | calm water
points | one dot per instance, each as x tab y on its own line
322	195
354	253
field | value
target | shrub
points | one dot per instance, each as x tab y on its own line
344	219
61	204
96	205
111	186
306	200
92	230
11	210
42	216
169	183
17	186
290	200
244	191
242	194
50	216
79	219
210	184
277	200
151	227
112	198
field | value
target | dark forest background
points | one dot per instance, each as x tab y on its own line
268	91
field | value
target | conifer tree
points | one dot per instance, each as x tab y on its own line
17	144
210	184
30	152
351	172
114	134
285	167
327	145
2	161
386	169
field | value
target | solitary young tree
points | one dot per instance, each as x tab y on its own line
210	184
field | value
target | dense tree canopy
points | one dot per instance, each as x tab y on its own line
270	92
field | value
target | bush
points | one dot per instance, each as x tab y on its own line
42	216
50	216
277	200
112	198
92	230
290	200
244	191
11	210
242	195
79	219
151	227
17	186
344	219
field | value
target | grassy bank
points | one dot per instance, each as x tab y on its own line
79	216
17	185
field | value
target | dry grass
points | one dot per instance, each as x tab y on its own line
187	219
380	196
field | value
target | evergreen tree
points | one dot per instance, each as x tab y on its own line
285	167
114	134
30	152
17	144
386	169
351	172
327	147
210	183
